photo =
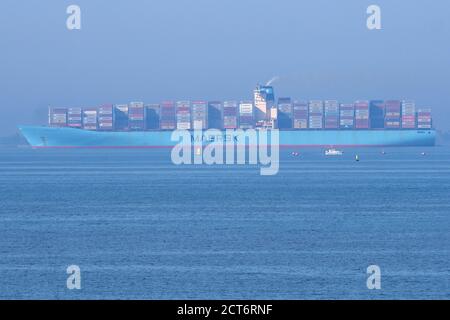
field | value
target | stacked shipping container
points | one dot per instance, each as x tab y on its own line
136	116
300	114
90	118
183	115
74	118
424	118
57	117
392	116
199	115
347	116
246	115
167	117
408	114
152	116
362	114
331	114
377	114
121	117
105	117
315	114
285	112
215	116
230	115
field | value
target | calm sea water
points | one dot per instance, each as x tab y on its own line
142	228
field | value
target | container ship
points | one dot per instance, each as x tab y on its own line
313	123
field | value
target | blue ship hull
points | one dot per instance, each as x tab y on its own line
51	137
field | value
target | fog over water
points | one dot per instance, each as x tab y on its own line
173	49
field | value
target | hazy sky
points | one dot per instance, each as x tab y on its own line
151	50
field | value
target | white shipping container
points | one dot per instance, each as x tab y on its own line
246	108
315	107
315	122
316	103
122	107
137	104
199	125
59	121
346	121
392	114
408	108
183	125
331	106
300	124
105	112
230	122
103	118
347	113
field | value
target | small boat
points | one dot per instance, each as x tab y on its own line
383	152
333	152
423	154
357	158
295	154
